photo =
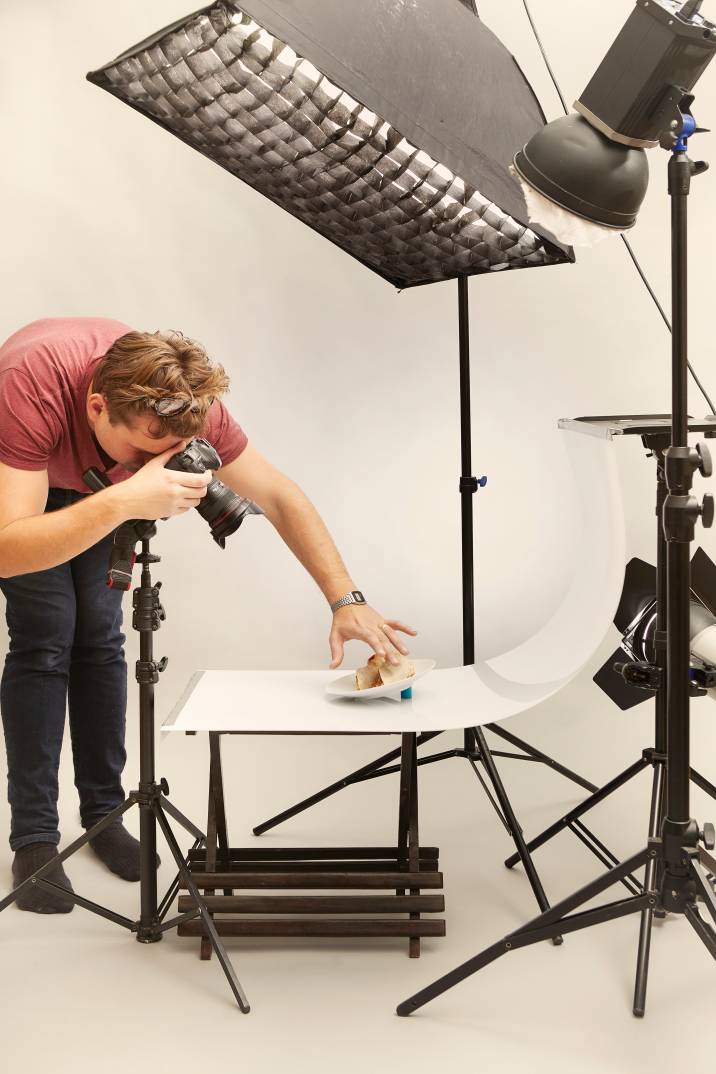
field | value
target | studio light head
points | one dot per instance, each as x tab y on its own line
592	164
636	621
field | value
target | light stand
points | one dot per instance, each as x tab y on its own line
151	797
653	676
676	865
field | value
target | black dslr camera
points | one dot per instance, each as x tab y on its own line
220	507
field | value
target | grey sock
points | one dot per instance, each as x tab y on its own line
34	897
118	850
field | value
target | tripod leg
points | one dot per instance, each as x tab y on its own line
68	851
173	888
179	817
580	810
206	917
542	757
705	931
372	769
514	827
647	915
94	907
704	888
542	927
703	783
199	839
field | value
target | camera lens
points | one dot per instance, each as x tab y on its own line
222	508
224	511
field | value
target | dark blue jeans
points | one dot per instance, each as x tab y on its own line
66	651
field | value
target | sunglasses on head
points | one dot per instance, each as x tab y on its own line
171	406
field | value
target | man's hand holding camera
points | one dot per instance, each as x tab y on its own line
155	492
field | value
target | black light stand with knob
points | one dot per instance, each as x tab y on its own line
677	860
151	797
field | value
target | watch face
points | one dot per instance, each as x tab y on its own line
358	597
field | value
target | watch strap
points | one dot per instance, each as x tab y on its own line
354	597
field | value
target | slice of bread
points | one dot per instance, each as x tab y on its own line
367	677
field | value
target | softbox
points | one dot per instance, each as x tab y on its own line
387	126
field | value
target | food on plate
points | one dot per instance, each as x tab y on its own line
379	672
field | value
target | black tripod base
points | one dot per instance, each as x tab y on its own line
694	886
151	925
148	934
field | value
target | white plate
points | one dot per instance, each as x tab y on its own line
346	685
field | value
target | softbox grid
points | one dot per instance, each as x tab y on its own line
242	97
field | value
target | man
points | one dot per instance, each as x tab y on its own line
90	392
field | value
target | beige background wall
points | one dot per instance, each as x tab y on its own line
352	390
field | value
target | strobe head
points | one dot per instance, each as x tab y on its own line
222	508
660	54
591	166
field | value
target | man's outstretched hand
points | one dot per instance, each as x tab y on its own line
364	623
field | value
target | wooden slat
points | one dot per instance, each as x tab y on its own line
312	853
318	904
317	927
299	879
350	866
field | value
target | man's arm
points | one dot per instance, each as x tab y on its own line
294	517
33	541
297	521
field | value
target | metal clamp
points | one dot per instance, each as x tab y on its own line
472	484
148	671
639	673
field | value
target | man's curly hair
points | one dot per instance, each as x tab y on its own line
142	366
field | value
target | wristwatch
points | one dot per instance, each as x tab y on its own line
356	597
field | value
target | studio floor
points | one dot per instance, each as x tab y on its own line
79	994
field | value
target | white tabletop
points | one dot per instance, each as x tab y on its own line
295	702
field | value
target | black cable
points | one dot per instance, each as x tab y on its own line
544	57
623	237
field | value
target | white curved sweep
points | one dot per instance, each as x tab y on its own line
295	701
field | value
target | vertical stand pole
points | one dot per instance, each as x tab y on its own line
653	866
146	611
681	513
468	487
677	554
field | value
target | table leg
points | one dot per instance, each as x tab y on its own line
414	839
408	836
211	826
217	780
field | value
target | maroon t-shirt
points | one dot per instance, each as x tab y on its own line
45	372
